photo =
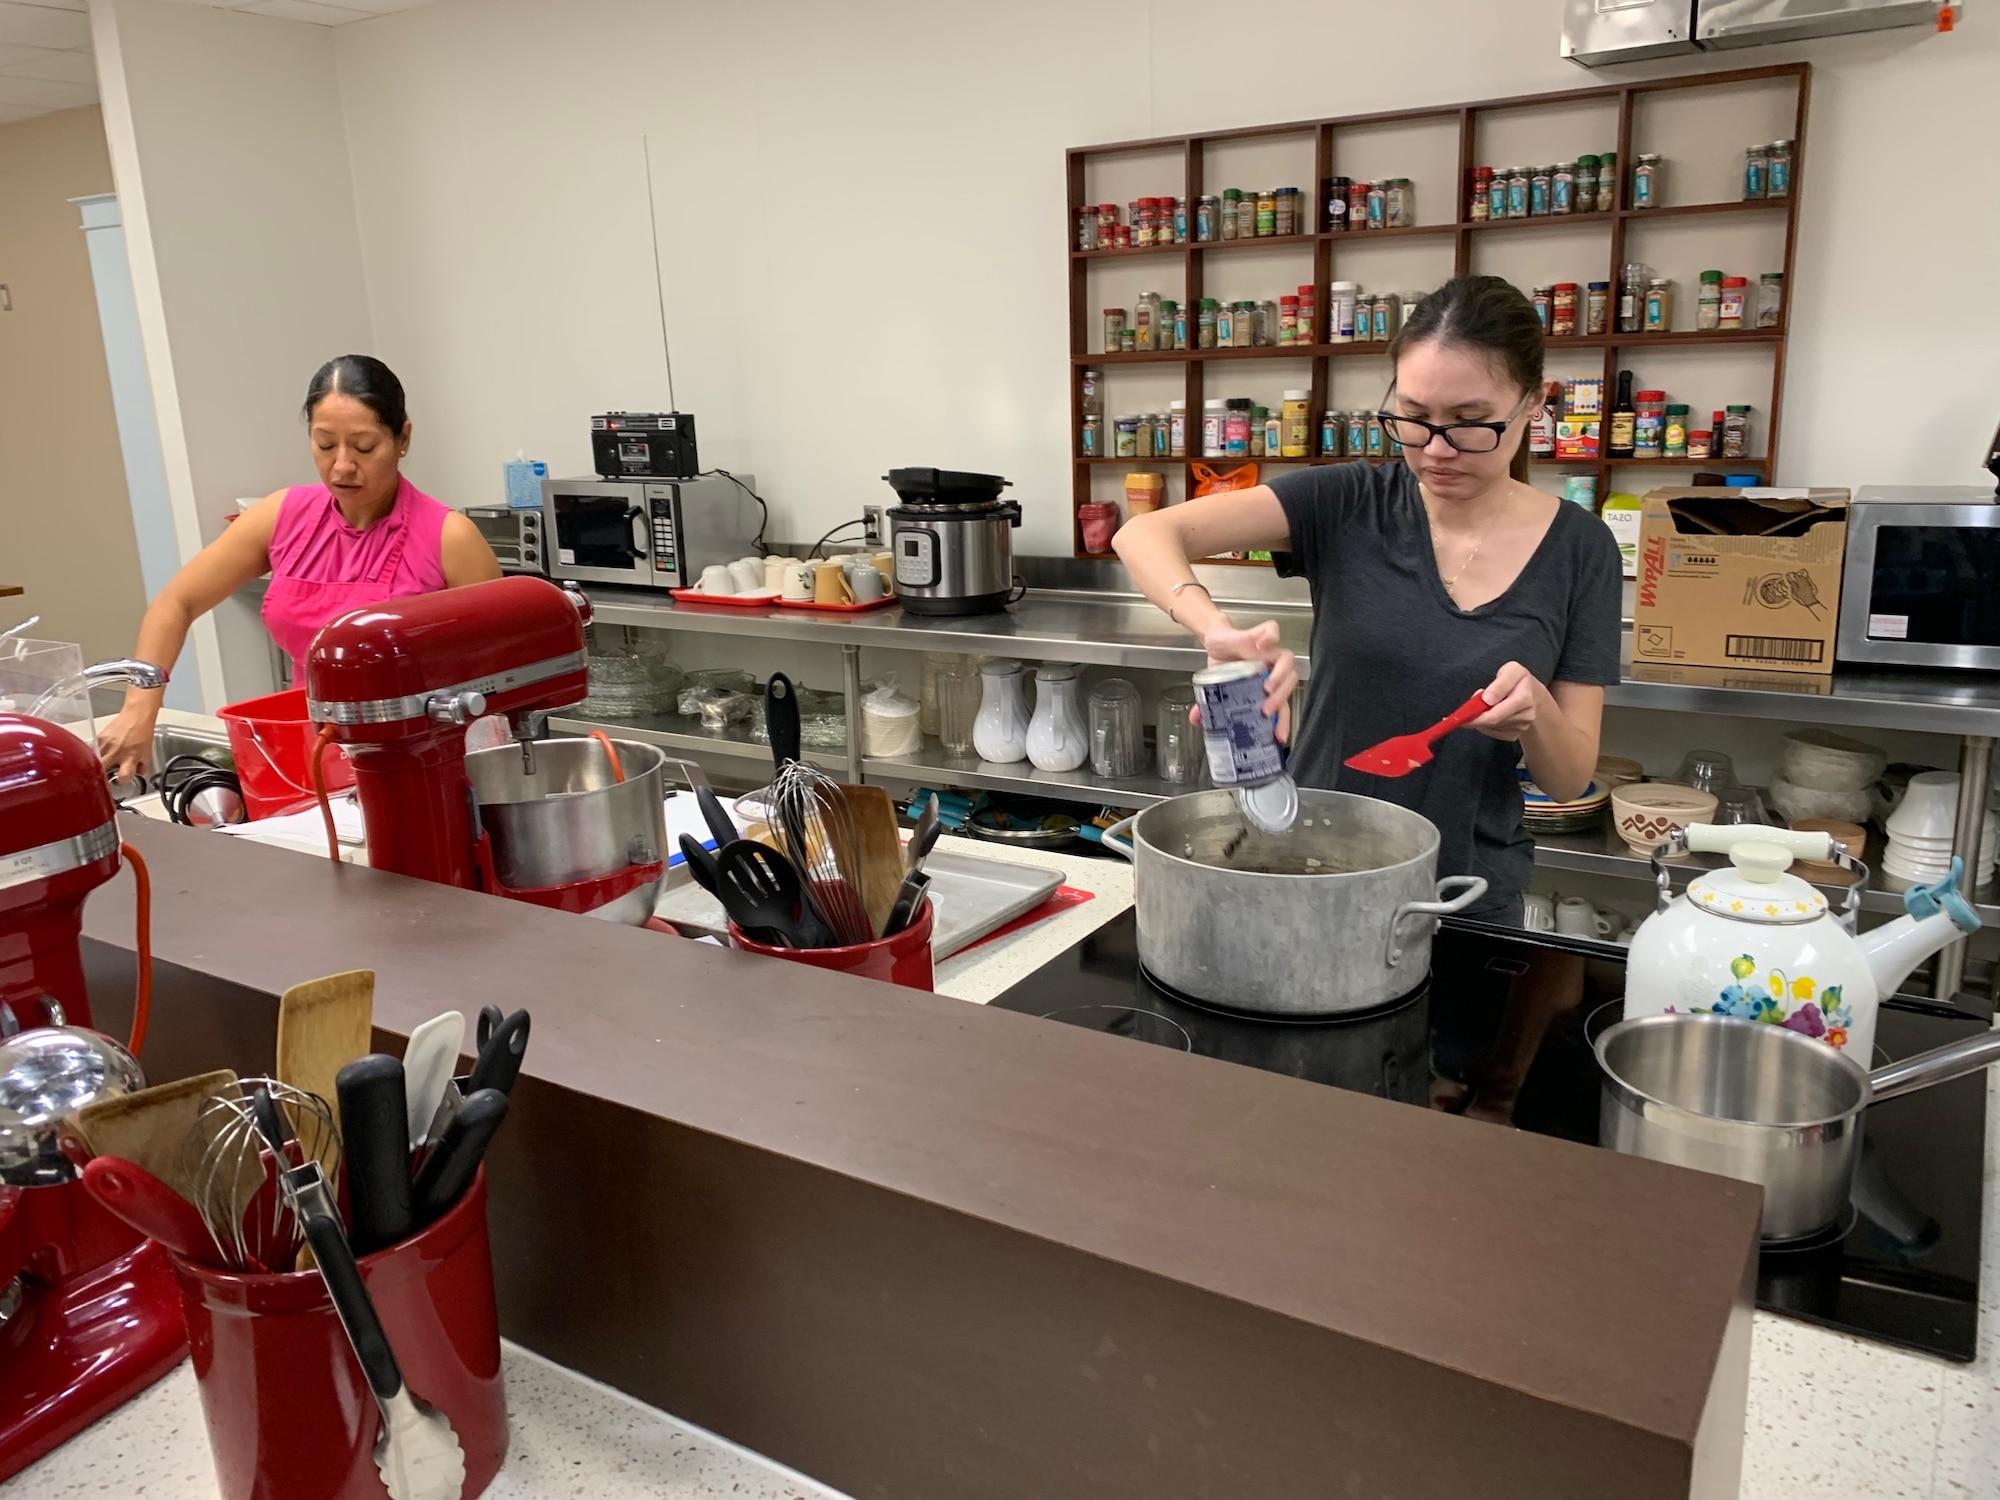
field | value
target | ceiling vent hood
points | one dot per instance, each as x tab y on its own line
1596	32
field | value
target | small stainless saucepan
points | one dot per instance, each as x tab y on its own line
1759	1103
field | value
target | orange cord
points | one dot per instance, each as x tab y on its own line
142	1006
319	790
611	750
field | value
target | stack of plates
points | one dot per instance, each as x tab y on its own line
1540	813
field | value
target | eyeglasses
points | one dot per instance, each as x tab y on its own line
1466	437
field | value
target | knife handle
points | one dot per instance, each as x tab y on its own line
448	1170
375	1143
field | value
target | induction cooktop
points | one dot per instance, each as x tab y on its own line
1503	1031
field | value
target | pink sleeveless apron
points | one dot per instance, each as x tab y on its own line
321	567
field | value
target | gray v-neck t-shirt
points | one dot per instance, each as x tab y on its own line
1391	654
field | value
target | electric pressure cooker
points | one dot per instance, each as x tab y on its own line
953	541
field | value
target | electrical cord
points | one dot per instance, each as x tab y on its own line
857	521
142	1002
185	778
764	510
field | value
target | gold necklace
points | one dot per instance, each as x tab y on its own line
1451	583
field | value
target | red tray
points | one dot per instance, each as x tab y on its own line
839	609
758	600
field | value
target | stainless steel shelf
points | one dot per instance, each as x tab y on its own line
934	767
669	732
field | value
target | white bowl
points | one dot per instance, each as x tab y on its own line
1797	802
1824	762
1929	809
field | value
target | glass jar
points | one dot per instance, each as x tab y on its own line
1778	170
1000	733
1479	205
1541	186
1125	437
1142	436
1267	214
1708	305
1659	316
1117	732
1114	329
1093	393
1544	299
1163	438
1700	442
1257	415
1597	308
1632	296
1756	172
1177	428
1246	217
1648	180
1145	320
1090	441
1213	421
1607	181
1205	323
1332	429
1674	443
1586	185
1295	436
1207	213
1378	204
1735	289
1517	193
1225	327
1496	194
1562	188
1771	299
1243	325
1341	325
1274	430
1174	319
1562	310
1736	433
1266	326
1401	207
1357	434
1178	747
1288	210
1181	225
1232	209
1236	427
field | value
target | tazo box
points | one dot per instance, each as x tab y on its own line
1739	577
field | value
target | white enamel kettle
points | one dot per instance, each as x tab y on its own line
1753	941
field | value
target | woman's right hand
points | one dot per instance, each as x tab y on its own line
126	743
1259	643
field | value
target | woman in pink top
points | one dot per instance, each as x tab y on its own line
363	534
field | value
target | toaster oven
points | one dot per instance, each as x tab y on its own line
1918	585
514	535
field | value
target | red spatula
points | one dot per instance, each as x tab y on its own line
1404	753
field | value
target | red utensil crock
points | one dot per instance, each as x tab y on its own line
904	959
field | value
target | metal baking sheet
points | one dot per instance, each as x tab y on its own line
975	896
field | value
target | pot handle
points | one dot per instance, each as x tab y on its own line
1118	837
1939	1065
1472	887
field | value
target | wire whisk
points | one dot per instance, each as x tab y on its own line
233	1177
819	833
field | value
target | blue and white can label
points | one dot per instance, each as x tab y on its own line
1242	743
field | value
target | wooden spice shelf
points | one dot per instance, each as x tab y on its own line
1325	247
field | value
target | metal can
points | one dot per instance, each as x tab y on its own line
1241	739
1114	329
1357	205
1336	190
1207	219
1562	310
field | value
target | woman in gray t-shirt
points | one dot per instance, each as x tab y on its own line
1431	578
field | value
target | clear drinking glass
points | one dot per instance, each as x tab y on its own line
1707	771
1741	804
955	682
1177	745
1117	742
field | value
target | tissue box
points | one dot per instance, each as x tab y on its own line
524	484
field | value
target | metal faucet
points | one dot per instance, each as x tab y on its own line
140	674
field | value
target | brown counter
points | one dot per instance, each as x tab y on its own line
917	1248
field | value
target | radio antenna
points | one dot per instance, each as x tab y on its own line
659	282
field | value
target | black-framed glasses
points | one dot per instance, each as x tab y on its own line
1466	437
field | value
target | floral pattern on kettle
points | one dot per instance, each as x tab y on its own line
1777	999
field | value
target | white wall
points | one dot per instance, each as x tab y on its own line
862	212
232	170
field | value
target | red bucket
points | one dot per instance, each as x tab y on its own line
272	740
290	1415
904	959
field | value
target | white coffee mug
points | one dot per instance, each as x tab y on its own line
1538	913
868	584
1576	917
796	582
748	572
774	573
717	579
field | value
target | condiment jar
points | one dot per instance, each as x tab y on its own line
1177	428
1730	313
1607	181
1659	305
1496	194
1517	192
1332	433
1586	185
1206	315
1114	328
1562	188
1479	206
1649	429
1232	203
1708	304
1091	442
1736	433
1541	189
1294	438
1143	492
1771	299
1756	171
1246	217
1778	172
1597	314
1562	310
1675	442
1648	180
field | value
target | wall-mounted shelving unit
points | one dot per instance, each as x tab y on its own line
1197	264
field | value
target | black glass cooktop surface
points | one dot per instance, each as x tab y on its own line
1503	1031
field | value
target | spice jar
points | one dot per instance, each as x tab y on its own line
1562	310
1180	221
1357	205
1267	213
1114	328
1173	332
1385	318
1090	441
1770	299
1232	200
1143	492
1242	324
1357	434
1142	436
1145	317
1163	438
1308	315
1236	427
1294	437
1659	305
1562	188
1207	209
1540	188
1334	192
1177	428
1649	428
1736	433
1632	296
1205	323
1700	441
1496	195
1778	170
1375	435
1274	430
1674	442
1648	180
1288	210
1246	216
1125	437
1517	192
1086	228
1730	314
1127	342
1586	185
1479	205
1378	205
1225	327
1597	309
1401	208
1213	421
1756	166
1288	320
1340	321
1607	181
1332	430
1544	297
1708	304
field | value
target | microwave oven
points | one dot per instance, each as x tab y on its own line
514	535
647	533
1918	587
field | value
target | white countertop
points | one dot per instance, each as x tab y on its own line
1831	1417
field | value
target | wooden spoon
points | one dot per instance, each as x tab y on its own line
878	855
323	1025
150	1128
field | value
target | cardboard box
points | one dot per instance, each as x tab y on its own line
1740	578
1576	437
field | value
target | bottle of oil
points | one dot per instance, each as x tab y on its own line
1620	435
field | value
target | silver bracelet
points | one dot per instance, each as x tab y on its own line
1185	583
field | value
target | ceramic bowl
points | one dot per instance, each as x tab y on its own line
1614	771
1929	809
1648	812
1792	801
1823	762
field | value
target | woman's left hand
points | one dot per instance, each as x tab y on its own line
1515	696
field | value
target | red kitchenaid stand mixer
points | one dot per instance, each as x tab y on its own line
398	682
89	1314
